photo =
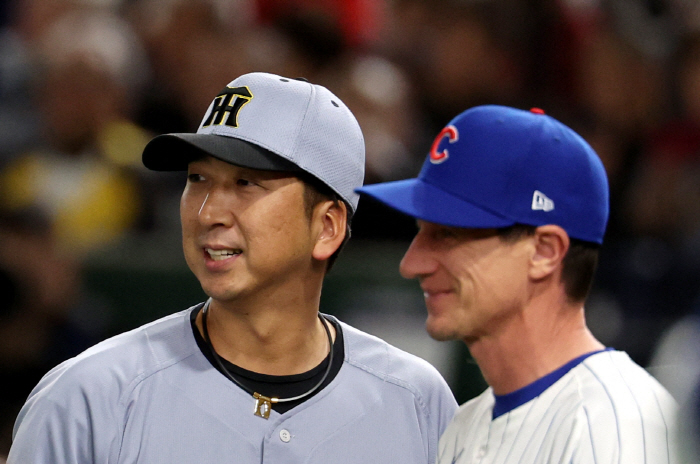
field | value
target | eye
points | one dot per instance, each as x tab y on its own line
193	178
244	182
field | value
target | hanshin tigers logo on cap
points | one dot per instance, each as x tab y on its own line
437	157
227	105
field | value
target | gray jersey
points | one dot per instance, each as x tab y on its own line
150	396
605	410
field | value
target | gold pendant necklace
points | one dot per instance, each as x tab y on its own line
263	404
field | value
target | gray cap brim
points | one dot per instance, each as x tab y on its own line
173	152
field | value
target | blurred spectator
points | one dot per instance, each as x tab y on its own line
85	174
652	271
665	199
193	51
456	52
357	22
46	316
619	96
382	98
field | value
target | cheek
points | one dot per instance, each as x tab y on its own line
278	225
188	226
486	281
185	218
191	202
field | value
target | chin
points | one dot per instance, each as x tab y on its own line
220	293
439	330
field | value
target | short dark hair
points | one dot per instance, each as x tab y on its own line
579	264
316	192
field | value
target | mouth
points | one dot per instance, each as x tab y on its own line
220	255
435	297
428	292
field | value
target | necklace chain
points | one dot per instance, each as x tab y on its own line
263	404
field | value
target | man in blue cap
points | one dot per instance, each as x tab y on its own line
512	207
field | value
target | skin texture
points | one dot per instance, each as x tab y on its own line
266	293
470	280
504	299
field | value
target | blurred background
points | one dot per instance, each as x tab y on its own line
90	240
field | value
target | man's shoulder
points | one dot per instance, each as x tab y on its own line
122	359
614	373
613	389
373	356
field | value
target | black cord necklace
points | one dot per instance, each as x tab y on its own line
263	404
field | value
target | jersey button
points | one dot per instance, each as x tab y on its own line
285	436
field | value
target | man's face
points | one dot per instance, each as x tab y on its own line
473	282
244	231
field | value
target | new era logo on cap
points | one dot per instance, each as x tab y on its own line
540	202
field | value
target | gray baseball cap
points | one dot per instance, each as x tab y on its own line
268	122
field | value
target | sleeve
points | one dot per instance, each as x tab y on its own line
441	410
64	421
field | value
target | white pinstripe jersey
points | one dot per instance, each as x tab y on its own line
603	410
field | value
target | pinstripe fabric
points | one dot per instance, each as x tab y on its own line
605	410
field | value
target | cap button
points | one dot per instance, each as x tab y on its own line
537	110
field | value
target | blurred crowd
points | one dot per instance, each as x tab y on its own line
84	84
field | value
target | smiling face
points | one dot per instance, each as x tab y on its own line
473	281
244	230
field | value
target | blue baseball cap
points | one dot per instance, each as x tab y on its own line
494	166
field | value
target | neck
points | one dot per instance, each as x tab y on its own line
540	340
277	340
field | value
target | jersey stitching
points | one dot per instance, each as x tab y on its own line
572	438
386	377
389	378
136	382
145	375
590	434
557	412
639	409
402	384
503	437
432	443
517	434
612	403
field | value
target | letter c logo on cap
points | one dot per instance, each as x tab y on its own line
437	157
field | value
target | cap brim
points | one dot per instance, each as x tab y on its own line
173	152
418	199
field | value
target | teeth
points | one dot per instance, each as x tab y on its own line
218	255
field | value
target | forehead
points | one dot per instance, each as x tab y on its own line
465	233
216	165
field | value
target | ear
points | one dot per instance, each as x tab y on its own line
330	222
550	246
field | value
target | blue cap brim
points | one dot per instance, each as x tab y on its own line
421	200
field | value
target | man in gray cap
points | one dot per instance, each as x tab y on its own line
255	373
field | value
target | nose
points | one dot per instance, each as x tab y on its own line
216	210
417	261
